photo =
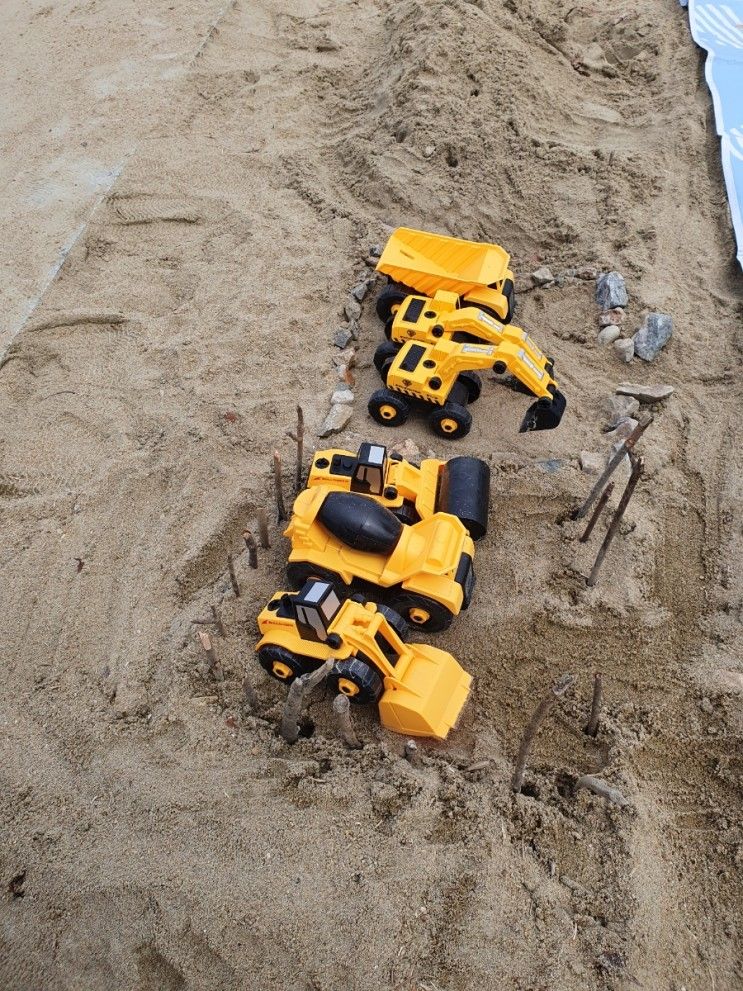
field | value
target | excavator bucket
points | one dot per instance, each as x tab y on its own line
544	414
427	696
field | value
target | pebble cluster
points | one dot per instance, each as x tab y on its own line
654	333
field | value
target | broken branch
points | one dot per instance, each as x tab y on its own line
260	515
214	666
300	449
634	478
626	448
301	686
592	727
278	487
233	576
532	728
342	710
252	548
597	512
599	787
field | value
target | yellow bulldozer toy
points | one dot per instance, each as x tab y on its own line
420	690
423	571
416	261
460	486
434	350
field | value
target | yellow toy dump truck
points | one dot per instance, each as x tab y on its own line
420	690
423	571
460	486
416	261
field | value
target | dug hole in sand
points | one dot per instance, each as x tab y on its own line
155	834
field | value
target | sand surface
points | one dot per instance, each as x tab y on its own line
211	177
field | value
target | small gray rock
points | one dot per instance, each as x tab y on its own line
625	348
542	277
335	421
618	408
353	326
342	337
360	290
375	250
653	335
586	273
342	397
622	430
645	393
592	463
352	309
611	291
345	357
615	316
609	334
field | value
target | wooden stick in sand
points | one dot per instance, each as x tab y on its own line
278	487
233	576
214	666
592	727
249	698
301	686
600	787
626	448
342	710
212	620
634	478
298	439
260	515
252	548
540	714
597	512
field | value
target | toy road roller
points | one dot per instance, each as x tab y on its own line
415	261
423	571
460	486
420	690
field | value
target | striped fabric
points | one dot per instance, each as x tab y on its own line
718	27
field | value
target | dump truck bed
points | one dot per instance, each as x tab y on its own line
427	262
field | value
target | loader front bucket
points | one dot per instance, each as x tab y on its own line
428	696
544	414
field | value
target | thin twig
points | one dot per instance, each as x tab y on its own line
233	576
342	710
540	713
214	666
278	487
300	450
592	727
289	727
260	515
599	787
597	512
212	620
626	447
412	754
249	698
634	478
252	548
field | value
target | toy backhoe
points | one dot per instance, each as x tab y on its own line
420	690
416	261
460	486
424	571
442	376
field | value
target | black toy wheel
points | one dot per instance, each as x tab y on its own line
299	572
450	420
388	327
283	664
357	680
388	408
473	384
420	612
398	624
384	353
389	300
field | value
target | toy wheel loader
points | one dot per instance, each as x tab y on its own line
423	571
460	486
420	690
416	261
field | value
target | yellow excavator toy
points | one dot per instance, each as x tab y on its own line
417	261
423	571
460	486
420	690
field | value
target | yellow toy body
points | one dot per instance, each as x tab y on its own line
420	690
425	263
460	486
424	571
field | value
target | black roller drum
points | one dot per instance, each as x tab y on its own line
464	491
360	523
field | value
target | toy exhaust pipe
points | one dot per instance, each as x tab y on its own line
544	414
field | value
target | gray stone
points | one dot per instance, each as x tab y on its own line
609	334
345	357
542	277
617	408
352	309
645	393
375	250
342	337
611	291
654	334
353	326
586	273
342	397
361	289
625	348
615	316
336	420
429	150
592	463
622	430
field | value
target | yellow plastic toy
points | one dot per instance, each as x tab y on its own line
424	571
460	486
420	690
416	261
